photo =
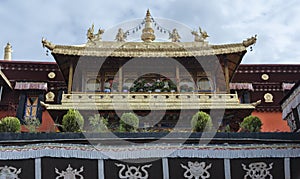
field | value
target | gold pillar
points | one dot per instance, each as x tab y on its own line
70	78
120	79
102	80
177	77
226	75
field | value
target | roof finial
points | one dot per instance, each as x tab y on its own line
7	52
148	32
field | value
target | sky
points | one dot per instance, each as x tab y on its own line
276	23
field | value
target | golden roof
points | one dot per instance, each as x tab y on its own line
234	52
148	49
95	47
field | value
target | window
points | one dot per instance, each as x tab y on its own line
245	96
186	85
128	83
31	106
204	84
93	85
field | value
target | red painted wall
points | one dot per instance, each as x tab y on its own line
272	121
47	125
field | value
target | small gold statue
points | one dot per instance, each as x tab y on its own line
121	36
200	36
94	37
174	36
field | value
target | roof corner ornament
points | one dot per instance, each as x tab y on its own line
256	103
43	104
148	32
250	41
48	44
174	36
200	36
92	38
121	36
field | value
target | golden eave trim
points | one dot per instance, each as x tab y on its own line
183	51
5	79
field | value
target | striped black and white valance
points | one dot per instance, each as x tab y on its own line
31	86
241	86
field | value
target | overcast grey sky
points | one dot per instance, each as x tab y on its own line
276	22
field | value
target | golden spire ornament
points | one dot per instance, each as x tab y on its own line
148	32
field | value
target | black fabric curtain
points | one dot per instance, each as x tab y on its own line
20	109
39	113
59	96
296	117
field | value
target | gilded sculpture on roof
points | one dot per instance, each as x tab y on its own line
121	36
200	36
138	49
174	36
48	44
250	41
94	37
148	33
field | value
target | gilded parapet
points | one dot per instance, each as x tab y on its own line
148	101
250	41
48	44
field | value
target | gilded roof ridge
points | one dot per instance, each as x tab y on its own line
248	42
146	49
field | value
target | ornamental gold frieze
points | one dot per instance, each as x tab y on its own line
140	106
152	101
149	97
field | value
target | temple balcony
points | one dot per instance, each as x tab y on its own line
149	101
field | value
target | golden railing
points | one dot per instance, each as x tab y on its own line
150	101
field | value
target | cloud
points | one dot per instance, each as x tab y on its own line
24	23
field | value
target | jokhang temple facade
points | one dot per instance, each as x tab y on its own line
171	80
197	73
